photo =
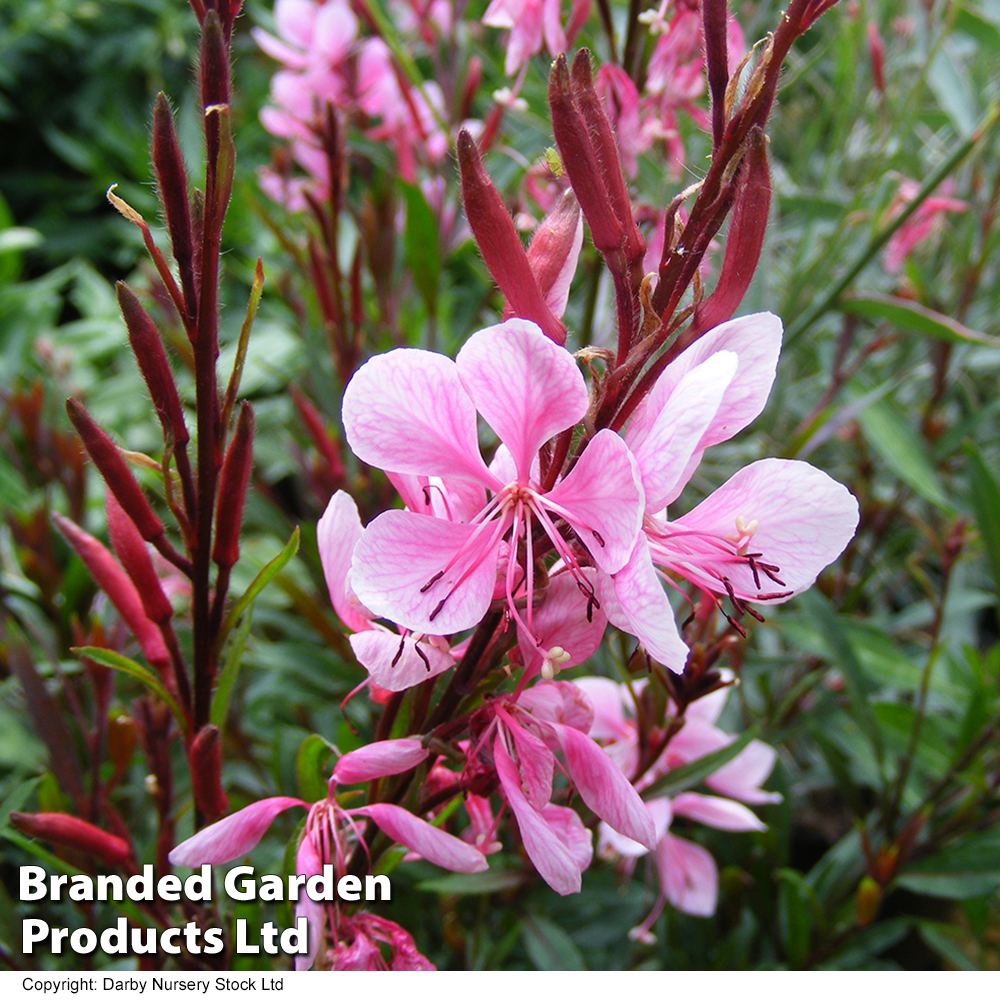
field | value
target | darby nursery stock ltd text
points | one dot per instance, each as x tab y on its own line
240	885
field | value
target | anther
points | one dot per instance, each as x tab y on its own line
600	541
430	583
399	652
427	663
437	610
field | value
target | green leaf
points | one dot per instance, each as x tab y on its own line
310	767
964	870
902	450
476	884
219	710
17	798
550	947
794	916
698	770
942	938
868	944
423	257
108	658
836	874
985	495
906	315
260	581
953	90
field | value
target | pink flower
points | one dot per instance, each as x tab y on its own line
920	226
687	872
763	536
414	412
330	836
532	23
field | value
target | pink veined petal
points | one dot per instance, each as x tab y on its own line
742	777
555	38
558	701
561	620
609	708
709	708
277	49
647	612
602	498
756	340
660	813
535	762
308	862
526	387
604	788
233	836
723	814
406	411
573	835
555	859
688	875
805	520
335	30
499	14
401	552
379	653
377	760
435	845
664	447
337	533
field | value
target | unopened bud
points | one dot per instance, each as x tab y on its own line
206	772
115	471
232	490
122	738
75	833
876	53
867	900
214	65
134	556
555	250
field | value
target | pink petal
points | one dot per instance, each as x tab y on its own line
555	250
574	836
604	788
294	20
278	50
401	552
558	701
602	498
646	612
660	813
742	777
756	340
723	814
308	862
664	445
376	760
406	411
337	533
534	762
233	836
435	845
805	520
558	859
688	875
526	387
607	697
561	620
555	40
398	669
335	31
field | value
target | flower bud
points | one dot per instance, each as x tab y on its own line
206	772
134	556
116	473
232	490
78	834
876	53
554	251
867	900
214	66
499	243
113	580
122	738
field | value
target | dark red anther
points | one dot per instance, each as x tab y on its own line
115	471
499	243
171	178
206	772
153	363
75	833
232	490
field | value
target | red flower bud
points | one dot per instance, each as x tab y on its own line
554	251
745	239
321	437
116	473
134	556
876	53
499	243
171	178
206	772
113	580
232	490
214	63
152	359
78	834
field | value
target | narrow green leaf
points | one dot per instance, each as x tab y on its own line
698	770
902	451
794	917
963	870
942	938
219	710
985	495
477	884
423	256
550	947
261	580
906	315
108	658
17	798
310	767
